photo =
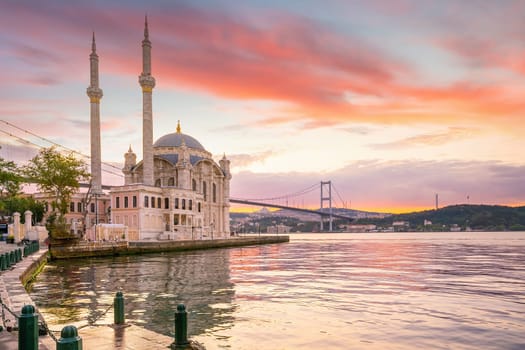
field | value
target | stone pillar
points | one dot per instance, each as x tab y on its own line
28	216
16	226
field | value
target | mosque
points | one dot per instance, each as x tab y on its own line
177	191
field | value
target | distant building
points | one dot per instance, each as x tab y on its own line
278	229
359	228
455	228
427	222
400	225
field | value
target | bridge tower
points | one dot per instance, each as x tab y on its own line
326	186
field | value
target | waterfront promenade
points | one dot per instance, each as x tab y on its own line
98	336
14	295
95	335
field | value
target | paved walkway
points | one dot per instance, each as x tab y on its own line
14	295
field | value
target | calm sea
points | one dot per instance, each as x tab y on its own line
320	291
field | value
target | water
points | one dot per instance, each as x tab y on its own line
329	291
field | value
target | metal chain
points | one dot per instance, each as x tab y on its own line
49	331
3	316
5	307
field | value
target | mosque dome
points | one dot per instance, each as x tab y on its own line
175	140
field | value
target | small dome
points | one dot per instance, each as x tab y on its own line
175	140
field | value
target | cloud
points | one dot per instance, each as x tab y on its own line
244	160
318	74
359	130
453	134
380	185
36	56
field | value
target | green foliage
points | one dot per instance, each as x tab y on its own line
10	179
57	174
477	217
18	204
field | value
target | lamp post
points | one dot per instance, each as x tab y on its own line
96	213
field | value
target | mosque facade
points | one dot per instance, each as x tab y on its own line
177	191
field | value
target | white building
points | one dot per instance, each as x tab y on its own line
177	191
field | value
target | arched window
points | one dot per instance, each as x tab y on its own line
194	185
166	203
204	189
153	202
183	204
146	202
171	181
159	202
214	193
176	203
157	183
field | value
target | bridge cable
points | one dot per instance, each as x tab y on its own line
55	144
294	194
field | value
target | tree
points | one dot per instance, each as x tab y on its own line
10	179
58	174
21	204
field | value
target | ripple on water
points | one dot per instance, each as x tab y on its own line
380	291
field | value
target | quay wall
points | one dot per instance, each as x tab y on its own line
96	249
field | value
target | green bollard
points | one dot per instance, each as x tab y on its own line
25	251
18	254
12	257
69	339
2	267
181	327
28	329
7	260
118	308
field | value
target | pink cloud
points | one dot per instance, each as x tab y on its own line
303	64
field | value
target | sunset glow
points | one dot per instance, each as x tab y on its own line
393	101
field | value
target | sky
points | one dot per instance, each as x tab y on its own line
394	101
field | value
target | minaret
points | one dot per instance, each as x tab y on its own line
95	94
147	82
183	164
130	160
225	167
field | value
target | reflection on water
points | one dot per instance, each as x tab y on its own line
80	291
340	291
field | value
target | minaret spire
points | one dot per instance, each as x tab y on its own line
146	32
93	45
147	82
95	94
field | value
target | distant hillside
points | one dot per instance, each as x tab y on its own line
477	217
351	213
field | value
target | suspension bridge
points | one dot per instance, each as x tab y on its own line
327	201
325	211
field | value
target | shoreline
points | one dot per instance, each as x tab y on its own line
14	295
99	249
